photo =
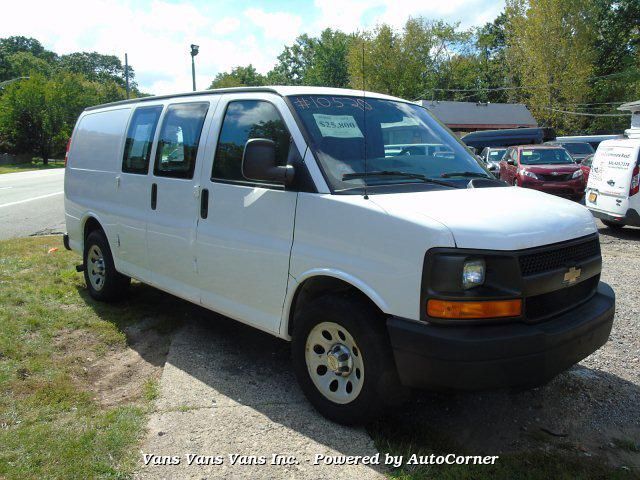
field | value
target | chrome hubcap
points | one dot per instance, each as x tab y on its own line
95	267
334	362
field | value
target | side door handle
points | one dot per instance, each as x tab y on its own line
204	203
154	196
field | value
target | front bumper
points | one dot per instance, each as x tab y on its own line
478	357
630	218
573	189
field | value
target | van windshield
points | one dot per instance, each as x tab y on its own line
381	142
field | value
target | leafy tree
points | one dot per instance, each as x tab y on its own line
550	50
294	62
617	63
238	77
12	46
37	115
23	64
413	63
97	67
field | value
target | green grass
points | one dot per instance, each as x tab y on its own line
51	425
34	165
402	438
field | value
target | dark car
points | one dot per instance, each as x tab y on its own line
578	150
547	168
508	137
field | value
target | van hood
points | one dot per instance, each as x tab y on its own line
501	218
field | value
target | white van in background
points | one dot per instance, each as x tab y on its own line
612	192
282	208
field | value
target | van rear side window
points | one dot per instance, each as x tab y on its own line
179	139
137	149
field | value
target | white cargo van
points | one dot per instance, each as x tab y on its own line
288	209
614	181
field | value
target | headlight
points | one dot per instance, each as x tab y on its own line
473	273
529	174
577	174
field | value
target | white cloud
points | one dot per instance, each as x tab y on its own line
277	25
156	34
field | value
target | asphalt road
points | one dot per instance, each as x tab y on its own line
31	203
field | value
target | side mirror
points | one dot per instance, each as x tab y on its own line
511	161
259	163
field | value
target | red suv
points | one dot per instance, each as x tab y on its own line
546	168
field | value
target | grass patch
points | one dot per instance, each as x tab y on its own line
151	389
402	438
51	424
33	165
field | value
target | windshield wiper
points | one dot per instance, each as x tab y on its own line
397	173
464	174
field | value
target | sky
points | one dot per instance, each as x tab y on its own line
156	34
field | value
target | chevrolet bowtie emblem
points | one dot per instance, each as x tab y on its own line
572	275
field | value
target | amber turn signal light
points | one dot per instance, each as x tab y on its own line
472	310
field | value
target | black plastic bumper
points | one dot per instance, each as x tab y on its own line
630	218
478	357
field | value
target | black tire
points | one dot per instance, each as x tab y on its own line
367	327
613	225
113	285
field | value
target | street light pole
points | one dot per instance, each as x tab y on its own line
194	51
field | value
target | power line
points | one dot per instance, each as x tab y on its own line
587	114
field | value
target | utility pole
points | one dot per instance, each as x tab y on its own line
126	73
194	51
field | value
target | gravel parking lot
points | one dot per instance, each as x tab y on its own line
593	409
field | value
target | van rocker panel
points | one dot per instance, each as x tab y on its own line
479	357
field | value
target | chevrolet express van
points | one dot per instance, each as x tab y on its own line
284	208
614	183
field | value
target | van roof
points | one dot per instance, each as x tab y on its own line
283	91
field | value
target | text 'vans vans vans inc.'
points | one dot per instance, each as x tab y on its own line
288	209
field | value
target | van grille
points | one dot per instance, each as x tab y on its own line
540	262
539	307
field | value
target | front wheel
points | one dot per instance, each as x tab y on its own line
343	360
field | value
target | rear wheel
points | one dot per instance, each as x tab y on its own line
103	280
343	360
613	225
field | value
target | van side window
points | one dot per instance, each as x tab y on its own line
179	139
137	148
245	119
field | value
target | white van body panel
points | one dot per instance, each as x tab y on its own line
498	222
610	177
356	240
90	179
243	246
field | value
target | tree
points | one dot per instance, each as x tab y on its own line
37	115
412	63
238	77
97	67
617	63
294	62
31	49
550	50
